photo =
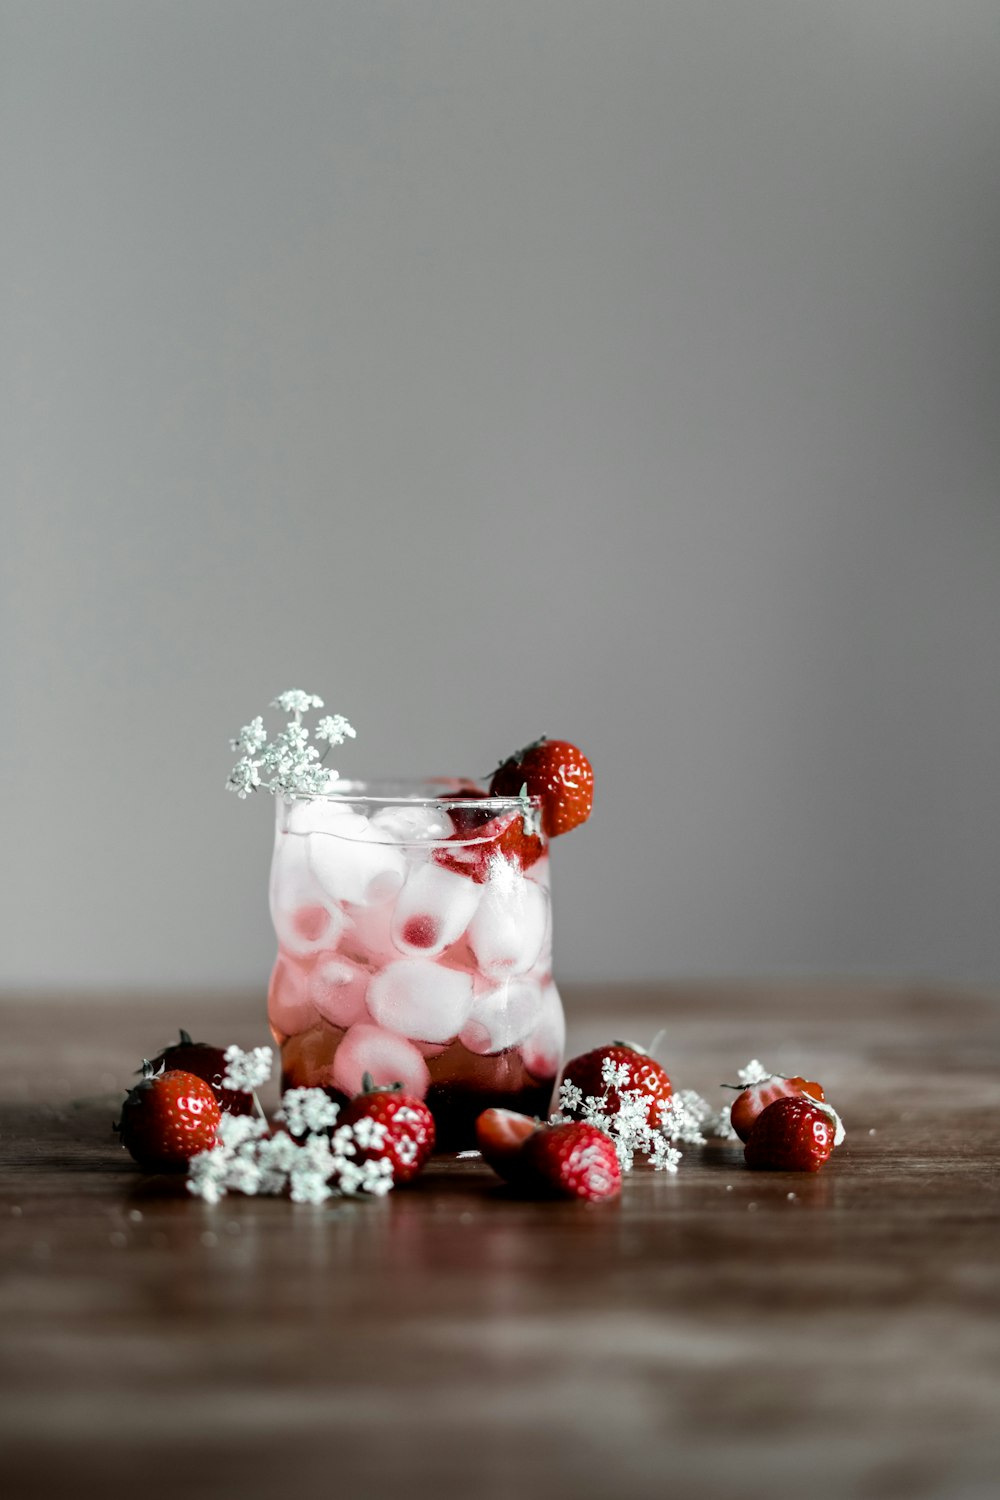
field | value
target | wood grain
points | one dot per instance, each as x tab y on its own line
709	1333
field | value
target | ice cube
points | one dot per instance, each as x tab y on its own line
387	1057
351	865
414	824
510	924
542	1051
337	990
368	935
502	1015
421	999
303	918
289	1009
321	815
433	909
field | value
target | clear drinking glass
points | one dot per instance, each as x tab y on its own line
415	944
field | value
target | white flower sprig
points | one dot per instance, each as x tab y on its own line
625	1118
247	1071
289	765
313	1159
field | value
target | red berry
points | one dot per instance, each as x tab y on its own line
794	1134
645	1073
207	1062
500	1135
754	1099
409	1126
168	1118
556	772
475	850
572	1161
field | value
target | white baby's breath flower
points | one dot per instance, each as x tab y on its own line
244	778
235	1130
312	1159
570	1097
682	1116
252	737
246	1071
306	1110
342	1141
295	701
245	1173
754	1072
406	1149
369	1134
615	1075
663	1156
376	1176
207	1173
289	765
335	729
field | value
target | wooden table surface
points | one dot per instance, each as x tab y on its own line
707	1334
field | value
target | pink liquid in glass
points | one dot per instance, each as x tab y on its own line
414	944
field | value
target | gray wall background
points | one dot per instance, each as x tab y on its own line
621	371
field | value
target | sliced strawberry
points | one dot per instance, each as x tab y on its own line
794	1134
500	1135
474	851
574	1160
755	1098
558	774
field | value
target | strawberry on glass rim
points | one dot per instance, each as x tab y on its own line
753	1098
557	773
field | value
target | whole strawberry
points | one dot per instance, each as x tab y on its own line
409	1127
554	771
207	1062
586	1072
794	1134
756	1097
168	1118
574	1160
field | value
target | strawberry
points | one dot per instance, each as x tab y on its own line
207	1062
475	849
794	1134
751	1101
500	1136
168	1118
558	774
572	1161
645	1073
409	1126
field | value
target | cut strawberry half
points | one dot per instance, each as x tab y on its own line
474	851
500	1134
